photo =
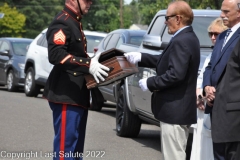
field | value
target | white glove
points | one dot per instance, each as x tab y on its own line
97	69
133	57
143	84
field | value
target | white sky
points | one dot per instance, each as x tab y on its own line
127	1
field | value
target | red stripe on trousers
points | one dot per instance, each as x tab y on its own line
63	129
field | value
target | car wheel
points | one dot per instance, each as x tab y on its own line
127	124
30	87
10	82
96	100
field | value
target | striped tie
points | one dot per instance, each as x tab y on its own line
226	36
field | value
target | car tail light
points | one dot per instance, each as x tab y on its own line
95	49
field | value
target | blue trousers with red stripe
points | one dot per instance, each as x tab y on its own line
69	127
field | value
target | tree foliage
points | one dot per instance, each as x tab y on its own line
203	4
104	15
39	13
13	22
148	8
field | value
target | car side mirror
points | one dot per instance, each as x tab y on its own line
4	53
150	41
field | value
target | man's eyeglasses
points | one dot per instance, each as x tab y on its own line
213	33
167	17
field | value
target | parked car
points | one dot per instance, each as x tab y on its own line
120	36
37	66
12	58
116	39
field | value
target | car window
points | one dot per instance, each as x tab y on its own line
166	37
106	41
41	39
136	40
155	30
20	48
92	41
200	25
120	41
113	41
44	41
4	46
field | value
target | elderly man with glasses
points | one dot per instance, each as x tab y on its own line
174	87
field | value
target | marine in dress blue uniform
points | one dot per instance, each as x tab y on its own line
66	89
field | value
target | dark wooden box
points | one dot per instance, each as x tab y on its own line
119	68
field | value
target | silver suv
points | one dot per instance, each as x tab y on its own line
132	104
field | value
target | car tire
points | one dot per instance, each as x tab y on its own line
10	82
96	100
31	89
127	123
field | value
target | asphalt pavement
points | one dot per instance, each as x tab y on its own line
26	132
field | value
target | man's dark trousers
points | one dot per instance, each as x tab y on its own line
219	151
218	148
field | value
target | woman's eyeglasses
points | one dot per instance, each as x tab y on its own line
213	33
